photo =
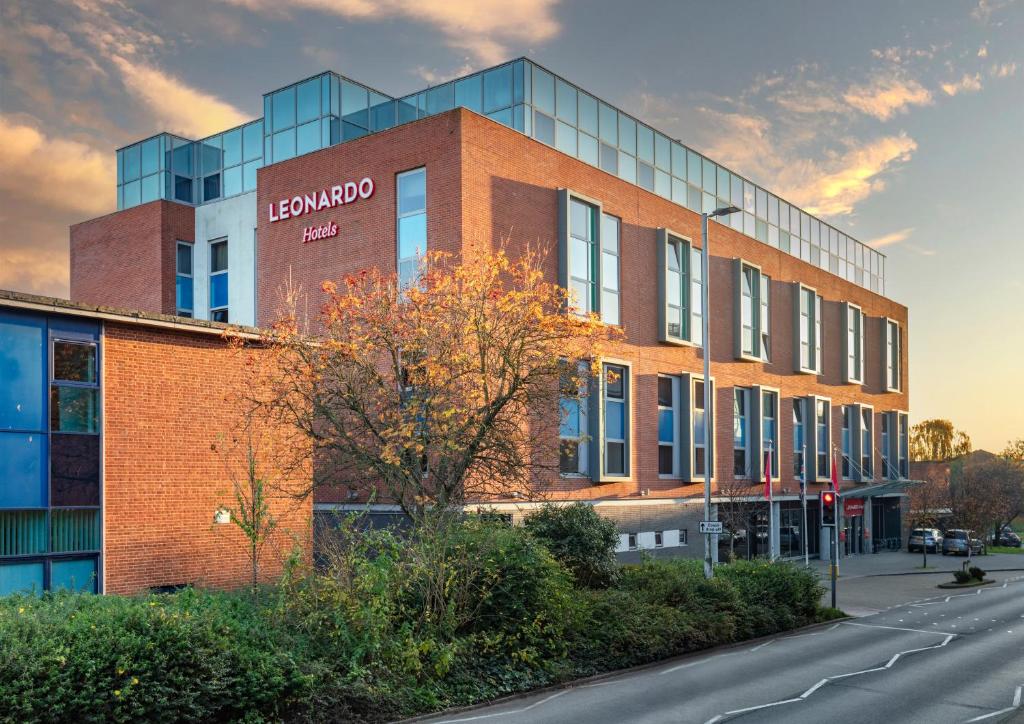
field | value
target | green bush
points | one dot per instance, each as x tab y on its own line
962	576
977	573
579	539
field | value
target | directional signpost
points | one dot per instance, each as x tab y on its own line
714	527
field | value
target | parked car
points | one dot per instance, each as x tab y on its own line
962	542
1009	538
928	538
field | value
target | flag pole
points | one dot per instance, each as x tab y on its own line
803	499
771	504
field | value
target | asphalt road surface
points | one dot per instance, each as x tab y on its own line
957	657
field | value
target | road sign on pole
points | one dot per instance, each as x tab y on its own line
711	527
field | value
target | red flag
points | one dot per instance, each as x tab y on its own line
768	476
835	473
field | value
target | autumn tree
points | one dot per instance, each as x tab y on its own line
438	394
738	499
938	440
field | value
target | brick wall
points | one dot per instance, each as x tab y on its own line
170	425
127	259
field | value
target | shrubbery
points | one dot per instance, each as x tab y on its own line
390	628
580	539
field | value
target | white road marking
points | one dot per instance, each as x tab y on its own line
766	643
891	628
506	713
1015	705
694	663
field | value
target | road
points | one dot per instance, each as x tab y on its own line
956	657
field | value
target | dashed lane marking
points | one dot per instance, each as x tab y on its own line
1015	705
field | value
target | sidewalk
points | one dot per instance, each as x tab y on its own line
874	582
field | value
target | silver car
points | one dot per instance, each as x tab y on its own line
962	542
928	538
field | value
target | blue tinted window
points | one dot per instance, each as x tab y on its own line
74	470
211	187
693	168
23	372
645	176
609	118
544	128
710	176
588	114
543	90
503	116
518	86
412	235
284	145
233	181
627	167
183	189
412	192
355	104
120	167
565	99
308	100
150	188
182	159
678	161
131	163
23	470
645	144
497	88
627	133
406	109
131	194
350	131
233	147
218	290
588	149
468	93
565	138
21	578
210	154
73	575
441	98
308	138
662	156
249	175
252	137
382	115
150	156
284	108
183	293
74	409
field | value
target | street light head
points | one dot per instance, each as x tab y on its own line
724	211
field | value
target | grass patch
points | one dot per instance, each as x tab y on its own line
1006	549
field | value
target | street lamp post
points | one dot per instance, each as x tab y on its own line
705	295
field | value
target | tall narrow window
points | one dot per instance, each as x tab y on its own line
610	269
696	298
183	280
848	427
74	402
616	420
412	224
807	340
770	431
668	426
824	438
752	312
741	432
574	456
904	442
887	452
866	447
219	281
674	289
700	447
893	356
798	437
766	318
853	344
583	255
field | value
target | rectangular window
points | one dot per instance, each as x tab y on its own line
849	414
741	432
631	541
615	383
904	445
752	322
610	269
770	431
866	446
668	426
674	289
582	256
807	342
219	281
659	539
700	447
74	392
854	344
823	438
183	280
798	438
412	224
574	454
893	356
887	451
696	298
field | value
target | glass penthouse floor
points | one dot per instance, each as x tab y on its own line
328	109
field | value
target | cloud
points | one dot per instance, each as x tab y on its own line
884	96
833	187
967	84
895	237
179	107
55	172
983	50
29	270
1003	70
485	28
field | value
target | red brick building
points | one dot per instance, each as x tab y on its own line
809	357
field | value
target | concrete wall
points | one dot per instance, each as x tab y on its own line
235	220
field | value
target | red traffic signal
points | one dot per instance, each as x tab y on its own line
828	508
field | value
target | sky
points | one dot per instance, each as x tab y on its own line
900	122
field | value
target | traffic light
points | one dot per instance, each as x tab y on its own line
828	508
